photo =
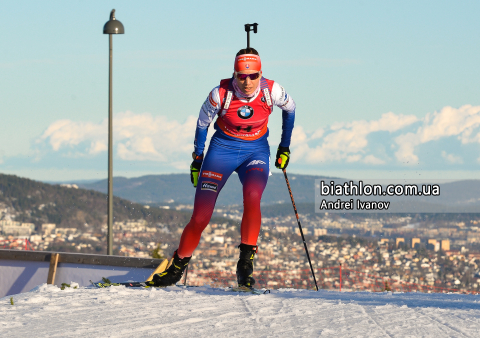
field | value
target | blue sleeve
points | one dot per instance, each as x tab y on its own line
200	138
287	127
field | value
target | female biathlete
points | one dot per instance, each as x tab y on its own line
243	104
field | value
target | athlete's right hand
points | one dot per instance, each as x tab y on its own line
195	168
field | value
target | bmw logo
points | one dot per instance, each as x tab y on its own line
245	112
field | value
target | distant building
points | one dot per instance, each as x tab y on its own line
445	245
48	228
219	239
433	244
35	238
399	241
319	232
283	229
132	226
65	231
415	242
9	227
304	230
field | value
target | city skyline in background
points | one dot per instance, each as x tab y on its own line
382	90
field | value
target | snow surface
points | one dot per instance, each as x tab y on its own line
48	311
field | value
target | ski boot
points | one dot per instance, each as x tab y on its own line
245	265
174	272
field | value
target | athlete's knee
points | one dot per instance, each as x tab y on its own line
252	195
199	221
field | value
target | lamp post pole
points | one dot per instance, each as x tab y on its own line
113	26
110	153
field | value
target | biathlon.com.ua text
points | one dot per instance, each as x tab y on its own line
360	189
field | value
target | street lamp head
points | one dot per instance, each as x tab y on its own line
113	26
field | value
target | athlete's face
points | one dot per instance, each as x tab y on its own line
248	86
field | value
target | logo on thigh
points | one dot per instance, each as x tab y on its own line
253	169
212	186
255	162
212	174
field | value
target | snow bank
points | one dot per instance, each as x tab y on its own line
48	311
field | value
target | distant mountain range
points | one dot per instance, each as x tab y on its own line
25	200
177	189
37	202
174	189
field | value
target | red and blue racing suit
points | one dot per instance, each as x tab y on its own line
239	144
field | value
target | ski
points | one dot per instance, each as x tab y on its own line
143	285
126	284
249	290
150	284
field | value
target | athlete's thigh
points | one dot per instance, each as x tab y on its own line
218	165
255	169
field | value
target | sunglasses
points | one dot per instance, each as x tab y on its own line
243	77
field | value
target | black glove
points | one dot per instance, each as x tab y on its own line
195	168
283	157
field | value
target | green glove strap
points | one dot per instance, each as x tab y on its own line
283	157
194	175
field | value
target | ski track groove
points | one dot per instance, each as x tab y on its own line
469	320
397	318
124	328
419	314
393	317
368	318
449	327
249	309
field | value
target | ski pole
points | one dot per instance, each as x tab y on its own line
248	28
186	274
300	227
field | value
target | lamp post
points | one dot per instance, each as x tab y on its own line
113	26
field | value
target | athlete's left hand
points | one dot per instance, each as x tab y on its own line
195	168
283	157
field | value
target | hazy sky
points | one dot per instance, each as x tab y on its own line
383	88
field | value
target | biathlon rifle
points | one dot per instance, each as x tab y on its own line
250	27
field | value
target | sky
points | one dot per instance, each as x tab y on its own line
383	89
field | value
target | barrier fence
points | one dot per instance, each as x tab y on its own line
339	278
332	278
16	244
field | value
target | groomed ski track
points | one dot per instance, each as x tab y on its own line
48	311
